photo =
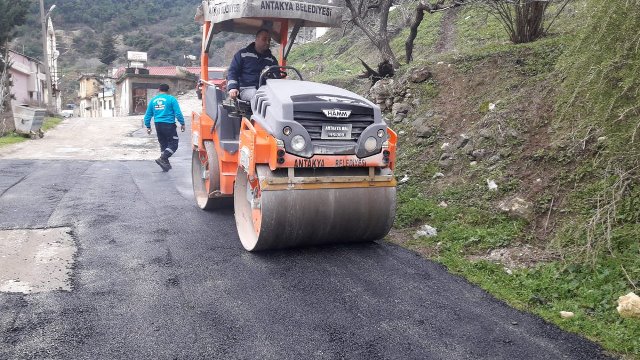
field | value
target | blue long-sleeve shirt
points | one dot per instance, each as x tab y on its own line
163	108
246	66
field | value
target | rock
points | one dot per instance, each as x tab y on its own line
420	75
445	146
400	108
404	179
427	231
517	206
492	106
566	314
388	102
398	118
445	160
485	133
468	148
443	204
438	175
424	131
505	153
629	306
494	159
492	185
463	141
508	271
473	163
401	132
478	153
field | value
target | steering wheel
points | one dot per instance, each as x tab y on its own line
277	72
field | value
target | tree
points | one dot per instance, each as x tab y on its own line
12	14
108	52
524	20
369	14
421	8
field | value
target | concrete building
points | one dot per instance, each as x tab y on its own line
135	87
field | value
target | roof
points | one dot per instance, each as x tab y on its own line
248	16
164	70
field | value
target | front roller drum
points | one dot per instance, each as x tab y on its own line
295	218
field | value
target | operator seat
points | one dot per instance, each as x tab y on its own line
227	126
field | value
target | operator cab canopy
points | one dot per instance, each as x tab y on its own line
249	16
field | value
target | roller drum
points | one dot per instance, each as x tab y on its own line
293	218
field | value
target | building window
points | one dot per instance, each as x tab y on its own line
110	105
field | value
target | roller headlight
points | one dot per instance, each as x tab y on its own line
298	143
370	144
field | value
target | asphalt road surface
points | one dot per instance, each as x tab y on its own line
154	277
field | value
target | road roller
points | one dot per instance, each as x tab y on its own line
302	163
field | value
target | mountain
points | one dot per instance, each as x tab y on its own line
165	29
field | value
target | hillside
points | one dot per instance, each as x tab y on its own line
523	157
164	29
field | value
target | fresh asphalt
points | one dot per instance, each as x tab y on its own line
157	278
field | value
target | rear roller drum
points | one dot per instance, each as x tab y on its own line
205	175
273	219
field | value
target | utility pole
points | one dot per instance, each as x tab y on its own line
45	55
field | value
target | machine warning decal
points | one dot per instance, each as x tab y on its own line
350	162
309	163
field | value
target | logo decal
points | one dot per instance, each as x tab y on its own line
336	113
336	99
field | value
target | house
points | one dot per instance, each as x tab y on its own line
135	87
88	95
28	78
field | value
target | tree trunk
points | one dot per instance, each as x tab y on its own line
413	31
420	10
379	38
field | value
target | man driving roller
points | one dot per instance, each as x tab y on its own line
247	65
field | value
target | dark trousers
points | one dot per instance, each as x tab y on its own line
168	138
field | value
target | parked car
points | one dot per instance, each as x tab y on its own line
66	113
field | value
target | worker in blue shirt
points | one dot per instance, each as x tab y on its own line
165	110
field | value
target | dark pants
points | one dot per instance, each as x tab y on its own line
168	138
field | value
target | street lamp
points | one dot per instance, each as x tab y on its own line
44	19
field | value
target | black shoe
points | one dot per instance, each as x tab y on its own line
164	164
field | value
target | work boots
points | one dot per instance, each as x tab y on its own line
163	161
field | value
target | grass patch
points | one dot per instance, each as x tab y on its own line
10	139
590	290
50	123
